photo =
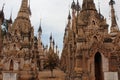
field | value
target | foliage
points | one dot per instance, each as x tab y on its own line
52	62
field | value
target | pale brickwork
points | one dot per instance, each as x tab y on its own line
22	55
20	51
90	52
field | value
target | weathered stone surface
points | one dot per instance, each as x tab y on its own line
89	49
110	75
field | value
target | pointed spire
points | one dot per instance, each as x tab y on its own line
51	37
88	5
2	13
77	6
23	16
24	5
24	10
112	2
3	6
40	29
100	15
29	9
46	46
10	20
69	16
114	25
99	7
69	20
56	49
53	42
73	5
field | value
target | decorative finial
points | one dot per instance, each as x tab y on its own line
51	36
29	9
40	29
69	16
73	5
112	2
99	5
2	13
10	20
88	5
77	6
3	6
46	46
114	25
53	42
56	46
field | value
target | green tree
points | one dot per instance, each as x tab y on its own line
52	62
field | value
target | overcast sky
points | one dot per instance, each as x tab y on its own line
53	14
